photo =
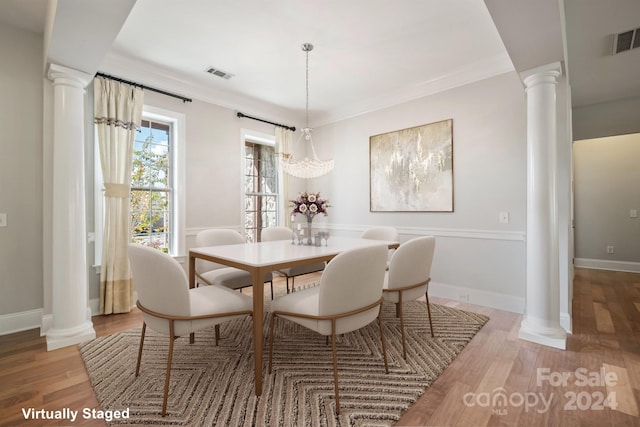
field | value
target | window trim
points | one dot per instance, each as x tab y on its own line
178	128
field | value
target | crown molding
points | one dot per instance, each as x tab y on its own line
480	70
154	75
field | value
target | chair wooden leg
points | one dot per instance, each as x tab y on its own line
271	326
429	311
217	328
293	283
401	315
172	338
271	282
398	310
384	344
287	284
335	364
144	329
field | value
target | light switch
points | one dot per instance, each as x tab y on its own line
504	217
3	219
633	213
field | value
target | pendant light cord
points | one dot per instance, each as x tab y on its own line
307	47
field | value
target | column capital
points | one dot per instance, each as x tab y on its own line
59	74
548	73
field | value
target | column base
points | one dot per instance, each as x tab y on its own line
551	337
59	338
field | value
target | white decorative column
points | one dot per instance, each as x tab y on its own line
541	322
71	316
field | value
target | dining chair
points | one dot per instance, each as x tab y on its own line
283	233
382	233
169	307
348	298
408	277
211	273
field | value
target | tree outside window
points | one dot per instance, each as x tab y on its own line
261	189
151	186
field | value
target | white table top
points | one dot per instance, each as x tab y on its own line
281	251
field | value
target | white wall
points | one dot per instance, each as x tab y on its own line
607	187
475	255
20	173
606	119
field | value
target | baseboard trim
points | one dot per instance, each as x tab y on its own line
566	322
603	264
21	321
477	296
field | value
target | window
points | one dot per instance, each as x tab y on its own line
152	186
157	184
260	189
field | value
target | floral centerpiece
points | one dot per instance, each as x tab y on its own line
309	205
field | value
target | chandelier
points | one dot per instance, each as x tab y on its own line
307	168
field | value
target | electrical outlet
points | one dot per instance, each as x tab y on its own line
609	249
3	219
633	213
504	217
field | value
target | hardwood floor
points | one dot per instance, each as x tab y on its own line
602	358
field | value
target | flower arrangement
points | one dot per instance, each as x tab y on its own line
309	205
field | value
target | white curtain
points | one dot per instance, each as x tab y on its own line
118	113
284	141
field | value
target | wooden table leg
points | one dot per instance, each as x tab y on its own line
258	314
192	284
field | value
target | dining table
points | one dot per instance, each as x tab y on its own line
262	257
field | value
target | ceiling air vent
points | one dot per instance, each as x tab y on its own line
626	41
219	73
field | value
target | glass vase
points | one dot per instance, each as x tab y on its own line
309	231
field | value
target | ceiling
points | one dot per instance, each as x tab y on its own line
596	75
368	54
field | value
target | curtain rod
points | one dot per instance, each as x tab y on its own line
118	79
241	115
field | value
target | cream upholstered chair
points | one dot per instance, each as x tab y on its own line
211	273
409	276
168	305
382	233
284	233
349	297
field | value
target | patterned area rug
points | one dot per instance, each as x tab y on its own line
214	386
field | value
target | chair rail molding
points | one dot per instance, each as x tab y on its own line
463	233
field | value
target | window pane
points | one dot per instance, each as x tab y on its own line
151	211
141	222
250	203
260	178
248	184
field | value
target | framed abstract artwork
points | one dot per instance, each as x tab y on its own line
411	170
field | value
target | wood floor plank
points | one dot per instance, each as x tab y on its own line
603	318
606	333
620	390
